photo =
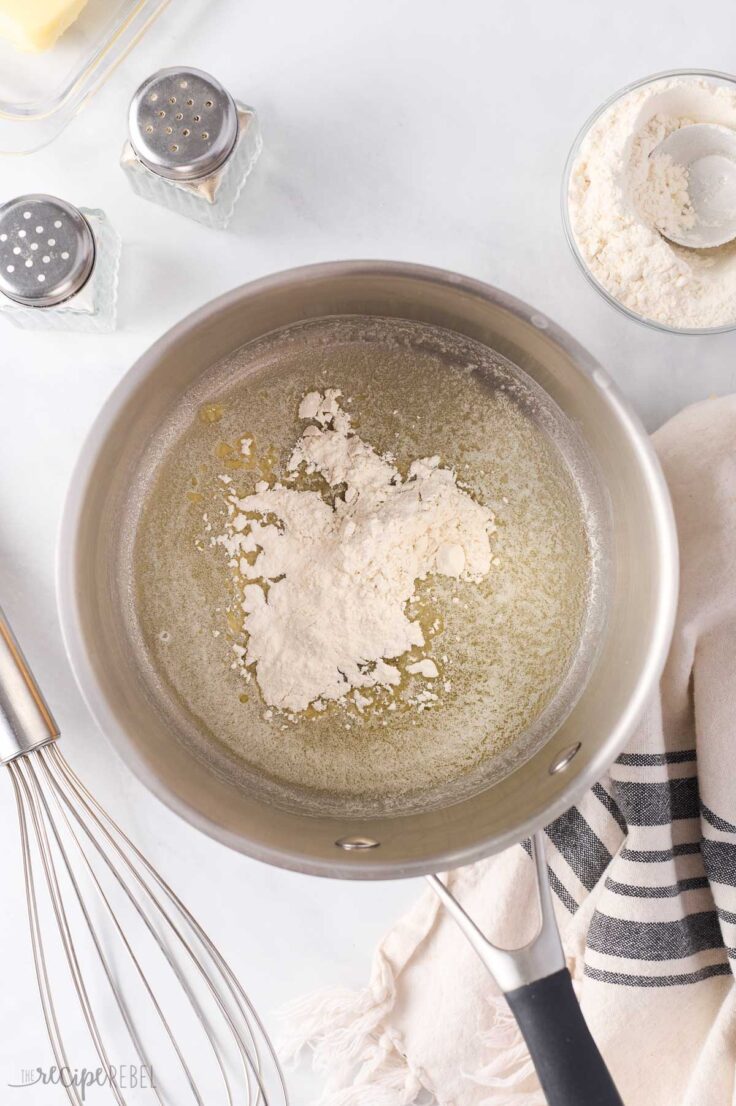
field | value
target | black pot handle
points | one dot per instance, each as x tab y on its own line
570	1067
538	987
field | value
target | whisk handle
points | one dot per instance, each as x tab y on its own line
25	720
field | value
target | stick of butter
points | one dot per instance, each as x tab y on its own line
36	24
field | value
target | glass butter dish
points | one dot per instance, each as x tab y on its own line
191	147
58	265
41	92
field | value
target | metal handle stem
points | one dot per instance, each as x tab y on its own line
25	720
512	968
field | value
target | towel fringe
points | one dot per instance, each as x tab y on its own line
345	1032
349	1040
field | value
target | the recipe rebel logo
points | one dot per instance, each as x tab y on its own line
123	1077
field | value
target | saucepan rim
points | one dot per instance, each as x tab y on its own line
665	586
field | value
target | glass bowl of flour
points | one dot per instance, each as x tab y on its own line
620	197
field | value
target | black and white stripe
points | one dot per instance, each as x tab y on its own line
662	867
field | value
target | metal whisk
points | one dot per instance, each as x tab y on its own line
141	968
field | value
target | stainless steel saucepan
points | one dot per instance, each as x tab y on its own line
641	573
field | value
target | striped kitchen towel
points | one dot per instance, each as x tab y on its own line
644	871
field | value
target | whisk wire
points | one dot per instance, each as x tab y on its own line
245	1007
30	786
82	872
134	1036
165	950
59	797
43	778
39	959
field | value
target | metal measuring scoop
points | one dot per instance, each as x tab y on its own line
707	151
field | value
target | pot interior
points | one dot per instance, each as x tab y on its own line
510	651
600	685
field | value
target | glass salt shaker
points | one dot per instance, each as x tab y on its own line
190	146
58	265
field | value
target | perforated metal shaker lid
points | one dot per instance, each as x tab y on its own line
182	124
47	250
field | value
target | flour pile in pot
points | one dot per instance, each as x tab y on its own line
325	586
464	664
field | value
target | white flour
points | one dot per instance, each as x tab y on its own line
325	588
661	194
622	202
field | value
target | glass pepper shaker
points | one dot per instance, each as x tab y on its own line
190	146
58	265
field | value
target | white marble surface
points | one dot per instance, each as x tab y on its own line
429	132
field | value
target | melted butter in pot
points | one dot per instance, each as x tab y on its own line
503	646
